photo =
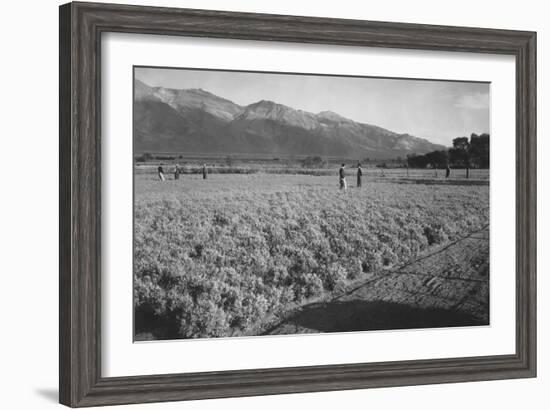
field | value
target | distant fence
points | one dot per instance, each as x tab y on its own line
390	173
237	170
415	173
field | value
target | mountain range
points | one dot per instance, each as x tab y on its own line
197	121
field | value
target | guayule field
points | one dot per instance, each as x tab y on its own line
233	254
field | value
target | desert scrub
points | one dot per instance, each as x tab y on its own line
215	258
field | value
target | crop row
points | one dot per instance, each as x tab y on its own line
211	265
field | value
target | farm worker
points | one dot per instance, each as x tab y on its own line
177	172
447	171
359	175
204	172
161	173
342	177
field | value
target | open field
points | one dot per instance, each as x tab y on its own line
294	169
225	256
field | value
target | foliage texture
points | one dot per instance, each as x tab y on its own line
217	260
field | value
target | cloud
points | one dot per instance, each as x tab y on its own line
473	101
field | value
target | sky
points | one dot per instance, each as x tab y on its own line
436	110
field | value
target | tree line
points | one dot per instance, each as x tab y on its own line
472	153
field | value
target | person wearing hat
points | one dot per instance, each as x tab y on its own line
359	175
342	177
160	173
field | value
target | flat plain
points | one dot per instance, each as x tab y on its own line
236	254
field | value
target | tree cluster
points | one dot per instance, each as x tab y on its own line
313	162
472	153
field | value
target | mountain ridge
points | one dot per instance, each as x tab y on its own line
196	120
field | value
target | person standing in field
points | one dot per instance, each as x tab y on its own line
359	175
204	171
342	177
177	172
161	173
447	171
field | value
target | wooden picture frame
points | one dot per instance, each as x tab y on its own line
81	27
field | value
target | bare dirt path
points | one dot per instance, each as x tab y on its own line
448	286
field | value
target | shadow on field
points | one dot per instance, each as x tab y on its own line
358	315
148	326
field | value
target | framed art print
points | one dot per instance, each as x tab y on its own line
258	204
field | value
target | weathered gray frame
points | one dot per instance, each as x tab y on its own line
81	26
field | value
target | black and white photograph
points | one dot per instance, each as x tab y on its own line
247	205
290	203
